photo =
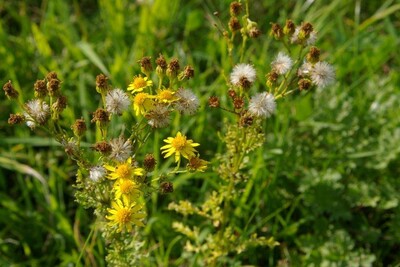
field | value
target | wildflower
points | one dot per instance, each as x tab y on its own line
139	83
149	162
282	63
124	170
289	28
313	55
38	111
102	84
97	173
187	73
60	104
145	65
124	214
243	75
166	187
213	102
304	84
166	96
103	147
158	116
10	91
101	116
276	31
238	102
235	8
234	24
117	101
126	188
16	119
179	146
262	105
187	103
197	164
161	65
40	89
322	74
79	127
121	149
53	87
173	69
142	103
272	77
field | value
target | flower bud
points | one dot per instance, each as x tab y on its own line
313	55
213	102
145	66
79	127
40	89
102	84
149	162
10	91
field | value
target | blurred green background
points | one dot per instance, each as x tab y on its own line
325	184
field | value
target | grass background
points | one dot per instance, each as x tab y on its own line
326	183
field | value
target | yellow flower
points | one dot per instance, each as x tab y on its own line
179	145
126	188
139	83
197	164
166	96
124	214
142	103
124	170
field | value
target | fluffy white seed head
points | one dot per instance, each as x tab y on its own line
322	74
282	63
262	105
188	102
121	149
117	101
158	116
243	72
97	173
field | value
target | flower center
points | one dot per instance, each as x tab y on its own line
140	98
123	171
179	142
127	187
123	215
139	82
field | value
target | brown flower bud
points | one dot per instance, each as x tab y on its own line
102	84
238	102
304	84
101	115
53	87
145	65
40	89
234	24
272	77
51	75
213	102
173	68
246	120
103	147
161	62
60	104
10	91
187	73
231	93
276	31
245	83
235	8
289	28
149	162
166	187
313	55
16	119
79	127
254	32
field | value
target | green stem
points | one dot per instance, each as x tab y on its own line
77	263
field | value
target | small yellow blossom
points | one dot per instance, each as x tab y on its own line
179	145
126	188
142	103
197	164
139	83
166	96
124	170
124	214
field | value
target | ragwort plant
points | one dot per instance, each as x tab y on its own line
116	177
297	70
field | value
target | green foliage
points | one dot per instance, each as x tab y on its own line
324	184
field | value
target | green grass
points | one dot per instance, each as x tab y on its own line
325	183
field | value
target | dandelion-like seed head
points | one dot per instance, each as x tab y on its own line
117	101
282	63
38	111
243	75
322	74
121	149
262	105
97	173
158	116
187	103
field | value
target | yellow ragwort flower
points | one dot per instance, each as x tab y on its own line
126	188
166	96
124	170
180	146
139	83
124	214
142	103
